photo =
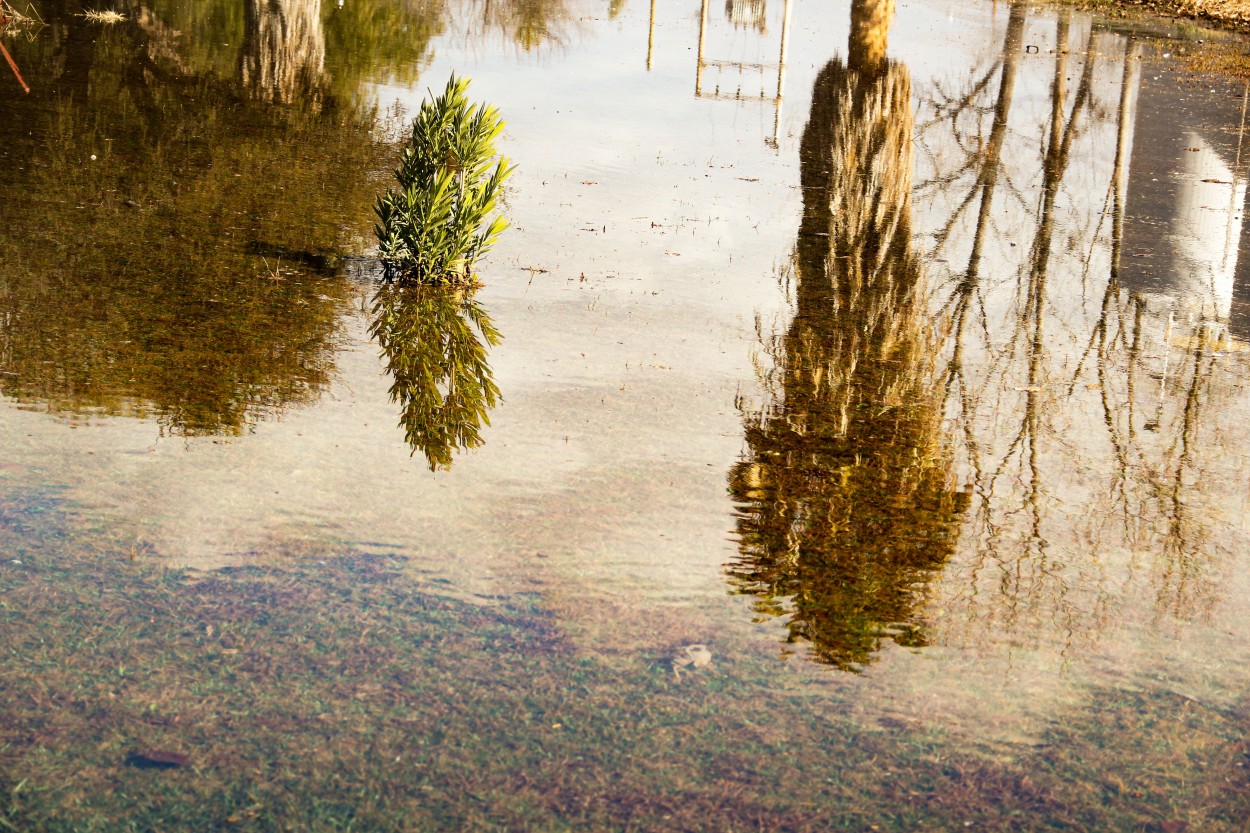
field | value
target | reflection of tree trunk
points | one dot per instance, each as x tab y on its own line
988	177
283	55
987	182
845	507
1054	167
870	29
1102	340
1123	152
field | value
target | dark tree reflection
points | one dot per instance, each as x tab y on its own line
436	342
283	56
171	243
846	509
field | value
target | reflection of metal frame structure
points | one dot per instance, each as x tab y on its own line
717	95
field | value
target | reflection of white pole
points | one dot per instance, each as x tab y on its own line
781	73
698	73
651	37
1235	207
1241	131
1163	376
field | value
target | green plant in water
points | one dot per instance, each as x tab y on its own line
434	225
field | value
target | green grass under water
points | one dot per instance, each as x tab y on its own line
341	696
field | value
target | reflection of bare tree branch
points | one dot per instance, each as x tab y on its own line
1055	163
987	178
1182	568
1101	343
1072	493
983	158
1022	577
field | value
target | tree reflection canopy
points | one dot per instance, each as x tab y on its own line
171	244
844	497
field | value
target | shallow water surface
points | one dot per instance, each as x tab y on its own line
908	380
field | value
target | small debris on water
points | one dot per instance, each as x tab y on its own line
157	759
106	16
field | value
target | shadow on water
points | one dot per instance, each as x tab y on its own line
845	504
435	342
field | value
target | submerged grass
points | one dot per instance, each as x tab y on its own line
338	695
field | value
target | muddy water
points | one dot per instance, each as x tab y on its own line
917	371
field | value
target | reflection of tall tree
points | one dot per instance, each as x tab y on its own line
435	342
1183	580
284	50
1027	576
845	506
1033	313
379	40
527	23
968	288
151	262
1080	428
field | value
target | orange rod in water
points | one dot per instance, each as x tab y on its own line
13	66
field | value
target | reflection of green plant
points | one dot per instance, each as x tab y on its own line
438	365
431	227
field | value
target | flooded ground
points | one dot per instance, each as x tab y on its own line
908	381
